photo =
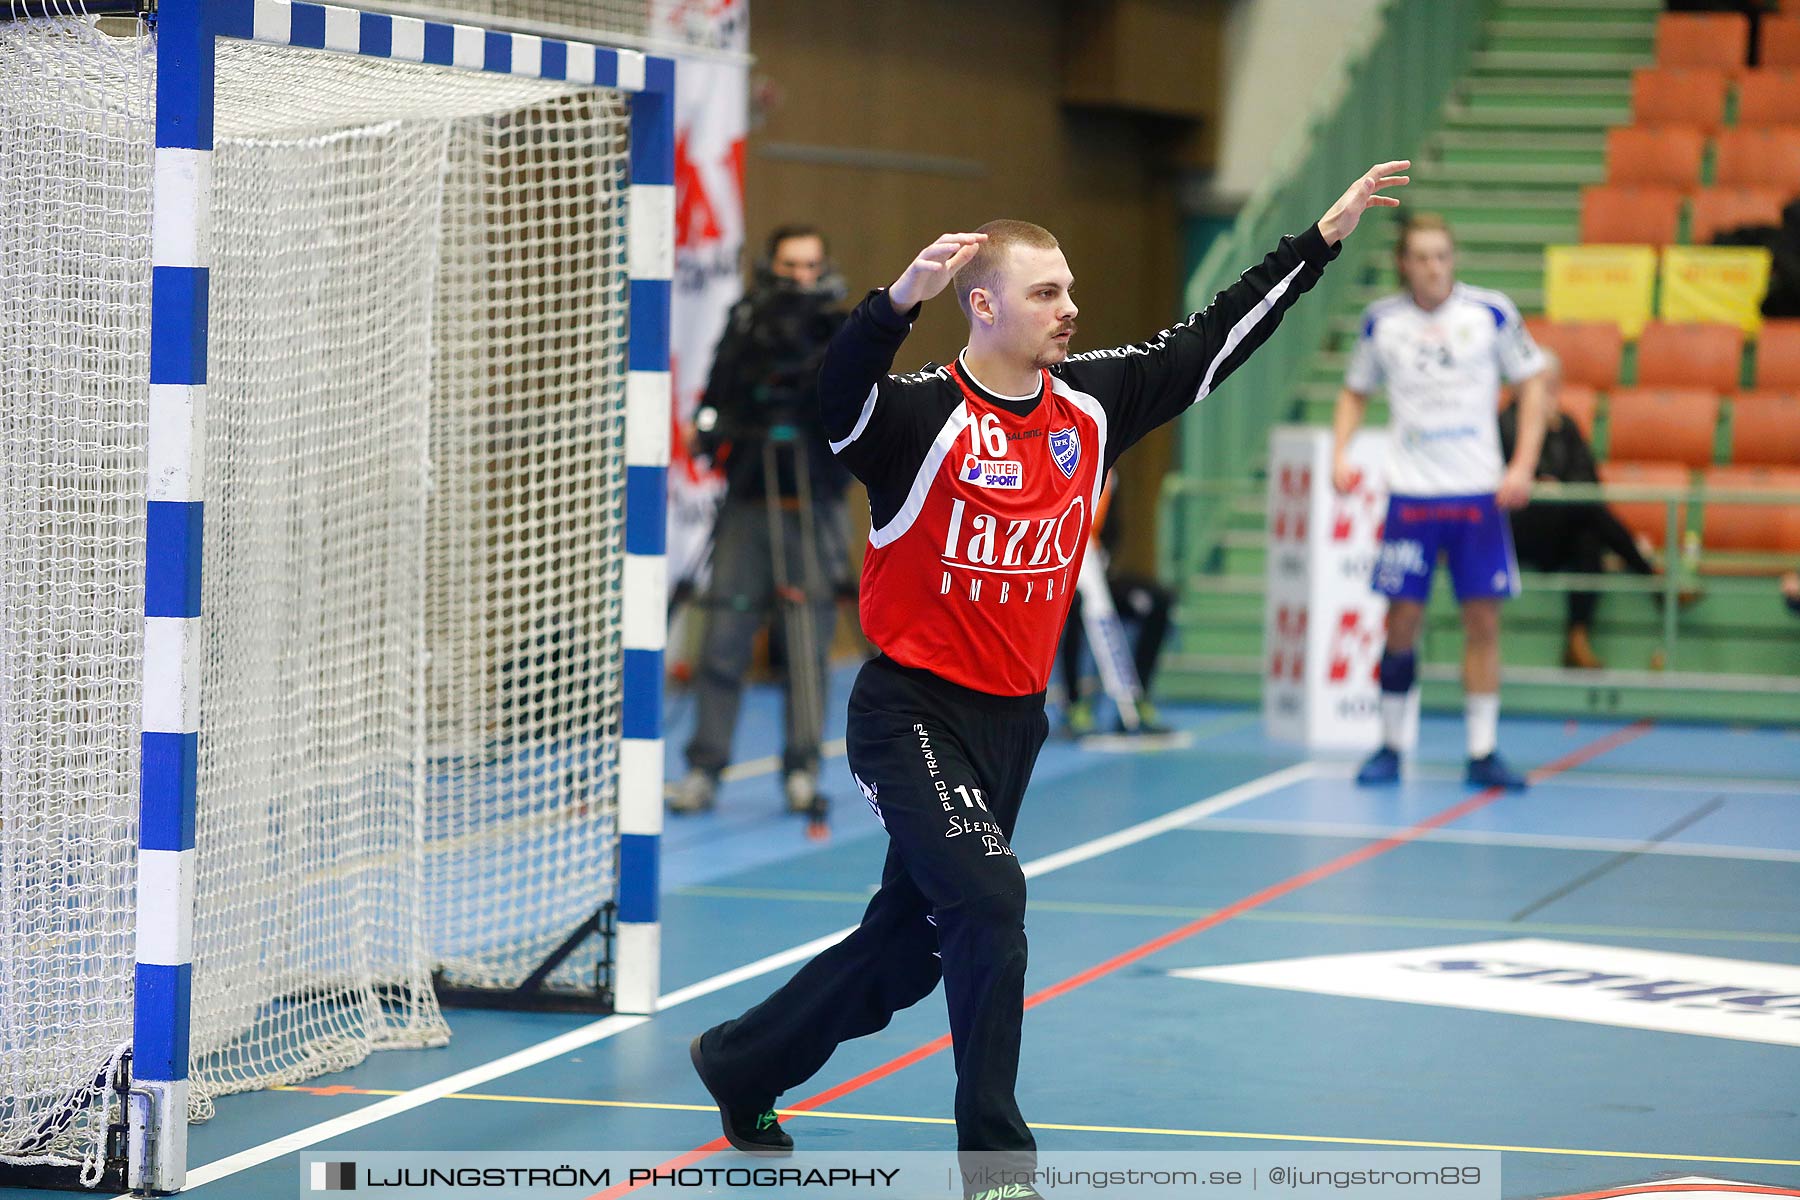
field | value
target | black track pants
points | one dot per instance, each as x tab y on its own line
945	769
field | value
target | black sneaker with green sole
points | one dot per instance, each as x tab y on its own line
749	1131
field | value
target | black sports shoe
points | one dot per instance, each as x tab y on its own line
1491	771
753	1133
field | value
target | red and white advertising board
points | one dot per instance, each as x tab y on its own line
1323	626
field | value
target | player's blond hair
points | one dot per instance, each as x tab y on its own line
983	271
1429	222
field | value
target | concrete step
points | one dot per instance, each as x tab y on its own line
1559	62
1594	39
1237	610
1571	22
1501	203
1533	140
1219	638
1515	273
1243	552
1474	233
1231	679
1209	587
1506	87
1509	116
1588	159
1577	174
1247	512
1611	10
1329	364
1319	412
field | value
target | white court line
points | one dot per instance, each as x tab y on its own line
1578	778
1144	830
607	1027
1482	837
750	768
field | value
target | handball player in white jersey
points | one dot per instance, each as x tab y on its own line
1440	349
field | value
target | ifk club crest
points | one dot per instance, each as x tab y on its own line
1065	448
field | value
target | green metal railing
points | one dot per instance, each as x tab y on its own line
1378	104
1685	560
1683	555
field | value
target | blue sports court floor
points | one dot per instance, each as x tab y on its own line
1232	949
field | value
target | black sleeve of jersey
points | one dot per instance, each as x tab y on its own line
875	428
1145	384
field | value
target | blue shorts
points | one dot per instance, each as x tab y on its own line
1470	531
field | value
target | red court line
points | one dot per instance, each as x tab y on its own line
1658	1189
1287	886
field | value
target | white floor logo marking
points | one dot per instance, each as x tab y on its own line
1569	981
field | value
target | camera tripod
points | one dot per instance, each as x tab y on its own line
797	584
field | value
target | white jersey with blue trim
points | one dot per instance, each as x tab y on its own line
1442	371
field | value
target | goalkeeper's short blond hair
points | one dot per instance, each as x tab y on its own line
984	270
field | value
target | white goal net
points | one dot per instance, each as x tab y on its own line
413	546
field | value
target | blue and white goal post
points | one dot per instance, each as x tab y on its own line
574	799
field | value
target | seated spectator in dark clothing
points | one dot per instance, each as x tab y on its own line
1790	590
1139	600
1562	536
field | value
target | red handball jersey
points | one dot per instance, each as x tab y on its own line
980	504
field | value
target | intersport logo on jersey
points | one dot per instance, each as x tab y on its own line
993	472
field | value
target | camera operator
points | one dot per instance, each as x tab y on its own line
779	544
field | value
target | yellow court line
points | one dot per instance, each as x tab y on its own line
1048	1125
1181	912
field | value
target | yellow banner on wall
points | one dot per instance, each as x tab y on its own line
1600	283
1725	284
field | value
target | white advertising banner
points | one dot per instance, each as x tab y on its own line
712	118
1323	626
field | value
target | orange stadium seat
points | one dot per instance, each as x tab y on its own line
1579	404
1684	355
1590	350
1719	40
1721	208
1769	96
1745	526
1663	425
1778	354
1647	518
1781	39
1658	157
1687	96
1637	215
1765	429
1760	158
